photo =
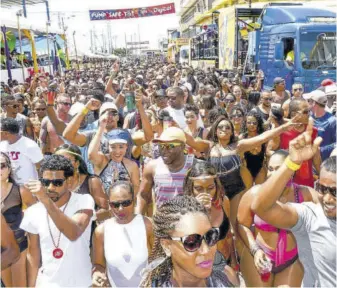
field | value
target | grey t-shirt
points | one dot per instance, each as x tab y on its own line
316	241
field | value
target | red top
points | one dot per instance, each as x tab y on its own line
304	176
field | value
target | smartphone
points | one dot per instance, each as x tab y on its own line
130	100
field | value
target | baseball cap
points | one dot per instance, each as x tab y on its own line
139	76
317	96
117	140
327	82
171	134
106	106
278	80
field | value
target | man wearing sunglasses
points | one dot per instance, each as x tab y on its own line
11	108
265	104
313	224
58	228
166	173
324	121
297	92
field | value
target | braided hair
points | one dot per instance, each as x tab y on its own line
165	220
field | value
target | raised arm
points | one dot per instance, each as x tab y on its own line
108	88
72	227
71	133
249	143
265	204
147	128
57	123
96	157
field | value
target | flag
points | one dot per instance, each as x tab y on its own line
60	54
8	61
30	35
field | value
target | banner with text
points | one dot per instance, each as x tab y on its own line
132	12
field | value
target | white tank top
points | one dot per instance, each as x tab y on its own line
125	251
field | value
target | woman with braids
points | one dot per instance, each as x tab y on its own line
203	183
184	247
254	158
264	242
13	198
123	243
84	182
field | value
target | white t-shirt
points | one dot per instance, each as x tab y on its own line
24	154
74	268
179	117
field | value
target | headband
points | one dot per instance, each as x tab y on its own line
203	177
69	152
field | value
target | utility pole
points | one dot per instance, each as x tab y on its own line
19	14
78	66
126	46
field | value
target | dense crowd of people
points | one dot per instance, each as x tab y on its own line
151	174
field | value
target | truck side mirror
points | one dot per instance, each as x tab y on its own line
279	51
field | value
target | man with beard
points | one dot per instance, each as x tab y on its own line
313	224
58	228
298	108
166	173
264	108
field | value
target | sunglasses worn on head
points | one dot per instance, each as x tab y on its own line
324	189
193	242
124	204
3	165
169	145
55	182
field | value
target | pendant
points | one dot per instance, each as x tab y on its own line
57	253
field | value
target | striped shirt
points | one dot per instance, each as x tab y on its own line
167	184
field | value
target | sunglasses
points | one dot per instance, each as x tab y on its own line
251	123
160	98
226	127
169	146
65	103
112	113
237	116
268	99
14	106
324	189
229	100
55	182
298	89
3	165
193	242
124	204
40	109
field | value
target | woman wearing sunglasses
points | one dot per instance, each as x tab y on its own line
84	182
229	102
254	159
114	166
264	242
203	183
13	198
312	224
123	243
237	117
184	247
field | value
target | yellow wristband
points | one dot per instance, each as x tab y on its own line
85	111
291	165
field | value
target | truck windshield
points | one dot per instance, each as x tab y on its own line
318	50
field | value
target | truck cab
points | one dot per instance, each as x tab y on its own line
295	42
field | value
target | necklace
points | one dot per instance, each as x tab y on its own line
57	252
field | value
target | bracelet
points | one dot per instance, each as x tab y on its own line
50	105
292	165
85	111
95	268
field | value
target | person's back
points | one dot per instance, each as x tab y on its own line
316	238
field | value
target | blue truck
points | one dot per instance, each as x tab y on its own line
288	40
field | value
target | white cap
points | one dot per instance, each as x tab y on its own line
118	140
317	96
331	89
106	106
75	109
